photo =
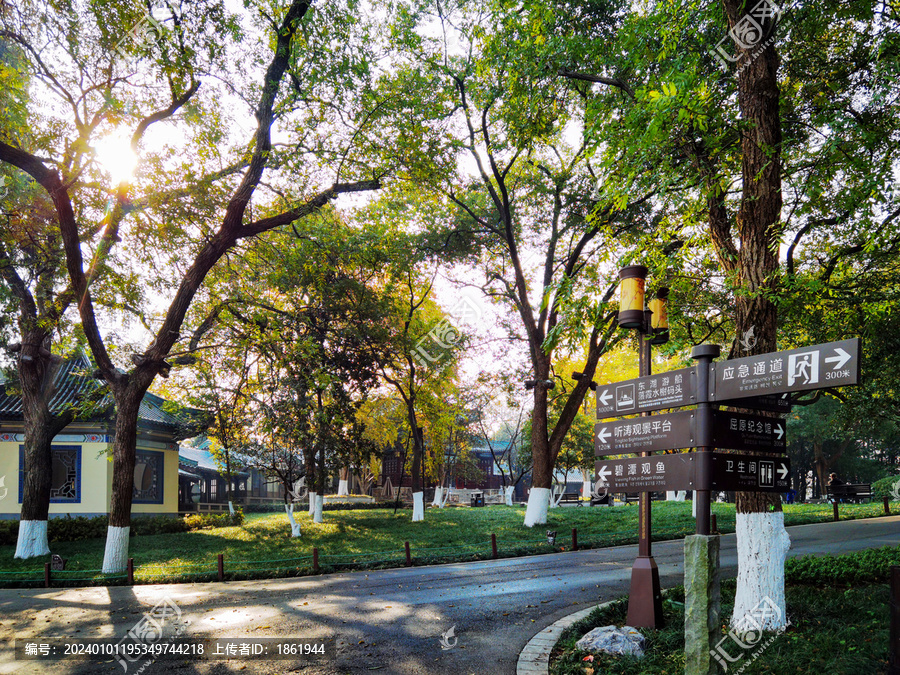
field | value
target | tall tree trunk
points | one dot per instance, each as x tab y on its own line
128	397
320	484
415	472
36	375
309	457
344	482
542	469
762	540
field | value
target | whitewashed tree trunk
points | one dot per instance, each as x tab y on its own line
295	526
538	506
115	557
32	540
509	490
681	495
762	544
446	497
312	503
694	506
317	509
343	488
231	508
586	488
438	497
418	506
670	496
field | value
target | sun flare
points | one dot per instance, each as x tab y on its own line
116	157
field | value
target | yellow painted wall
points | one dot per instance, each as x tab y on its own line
96	481
9	471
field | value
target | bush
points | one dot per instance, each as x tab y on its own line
82	527
885	487
341	506
871	566
9	532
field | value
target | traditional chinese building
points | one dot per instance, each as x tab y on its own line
81	469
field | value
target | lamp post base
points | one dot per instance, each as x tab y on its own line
645	597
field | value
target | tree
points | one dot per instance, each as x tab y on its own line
94	90
32	273
413	378
761	156
525	203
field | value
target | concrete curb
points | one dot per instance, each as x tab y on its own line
535	657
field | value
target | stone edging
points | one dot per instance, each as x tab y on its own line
535	657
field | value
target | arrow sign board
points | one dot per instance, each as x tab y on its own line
671	431
673	389
835	364
648	474
750	473
748	432
732	473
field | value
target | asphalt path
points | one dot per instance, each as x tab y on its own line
385	621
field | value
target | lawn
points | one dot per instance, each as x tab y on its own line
839	631
263	547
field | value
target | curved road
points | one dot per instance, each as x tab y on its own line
386	621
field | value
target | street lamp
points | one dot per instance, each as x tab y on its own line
652	325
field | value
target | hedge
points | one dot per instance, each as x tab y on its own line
82	527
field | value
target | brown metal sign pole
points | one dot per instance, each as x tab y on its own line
645	596
704	354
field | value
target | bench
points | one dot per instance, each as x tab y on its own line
850	492
570	498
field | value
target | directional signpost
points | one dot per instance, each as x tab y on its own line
654	474
674	389
750	473
644	434
694	471
748	432
835	364
753	383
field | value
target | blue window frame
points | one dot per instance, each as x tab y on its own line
65	474
148	477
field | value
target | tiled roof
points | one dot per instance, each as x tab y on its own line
73	381
203	460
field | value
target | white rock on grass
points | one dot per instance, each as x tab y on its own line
612	640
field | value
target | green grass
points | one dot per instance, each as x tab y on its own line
263	547
838	631
838	625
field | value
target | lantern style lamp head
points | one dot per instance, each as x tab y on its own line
659	320
631	298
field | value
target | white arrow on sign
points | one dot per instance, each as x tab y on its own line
839	360
603	434
605	397
779	431
603	473
783	471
